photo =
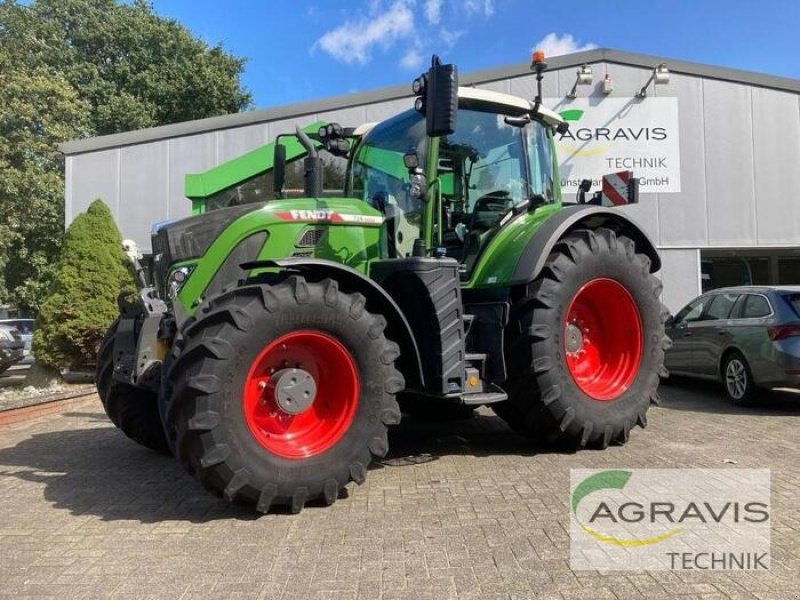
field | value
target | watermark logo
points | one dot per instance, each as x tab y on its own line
666	519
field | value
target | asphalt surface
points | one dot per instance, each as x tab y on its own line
458	510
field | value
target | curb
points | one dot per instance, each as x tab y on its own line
55	405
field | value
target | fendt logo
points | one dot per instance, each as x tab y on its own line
670	519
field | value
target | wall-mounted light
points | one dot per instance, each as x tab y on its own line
659	76
584	77
608	85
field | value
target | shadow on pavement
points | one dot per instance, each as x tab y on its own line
98	471
698	395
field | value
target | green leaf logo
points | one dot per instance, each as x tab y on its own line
573	114
610	480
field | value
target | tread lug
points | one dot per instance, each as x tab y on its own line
330	491
215	455
569	416
204	421
586	433
379	446
267	497
358	472
299	499
240	479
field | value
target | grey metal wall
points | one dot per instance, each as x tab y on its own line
740	148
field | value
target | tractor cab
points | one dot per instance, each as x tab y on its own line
498	161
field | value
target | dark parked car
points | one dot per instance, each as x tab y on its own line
25	328
745	337
12	348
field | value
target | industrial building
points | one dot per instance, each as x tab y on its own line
716	149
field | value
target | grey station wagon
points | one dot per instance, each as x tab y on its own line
745	337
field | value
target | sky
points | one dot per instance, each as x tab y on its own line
315	49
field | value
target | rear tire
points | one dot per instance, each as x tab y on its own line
737	379
132	410
232	431
586	344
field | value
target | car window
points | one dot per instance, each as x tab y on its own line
720	307
756	306
738	308
24	326
692	311
794	302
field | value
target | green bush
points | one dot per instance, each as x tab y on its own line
92	271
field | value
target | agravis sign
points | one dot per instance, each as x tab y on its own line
607	135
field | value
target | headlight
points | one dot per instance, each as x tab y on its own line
6	336
176	280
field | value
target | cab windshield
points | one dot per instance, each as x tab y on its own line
489	165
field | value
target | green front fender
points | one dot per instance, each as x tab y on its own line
518	252
498	262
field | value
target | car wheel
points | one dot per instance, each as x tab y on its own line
738	380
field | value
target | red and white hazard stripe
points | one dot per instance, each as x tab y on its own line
615	188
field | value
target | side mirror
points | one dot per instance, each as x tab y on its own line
670	321
437	97
279	170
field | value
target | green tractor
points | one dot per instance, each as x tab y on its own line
282	338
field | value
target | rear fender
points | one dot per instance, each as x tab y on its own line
582	216
378	301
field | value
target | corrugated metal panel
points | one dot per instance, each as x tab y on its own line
192	154
680	271
730	190
682	215
237	141
93	176
143	187
776	143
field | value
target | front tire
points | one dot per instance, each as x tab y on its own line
586	344
132	410
282	393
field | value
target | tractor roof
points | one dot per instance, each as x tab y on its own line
493	101
504	103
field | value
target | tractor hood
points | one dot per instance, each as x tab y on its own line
212	247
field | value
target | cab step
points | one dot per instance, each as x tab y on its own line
483	398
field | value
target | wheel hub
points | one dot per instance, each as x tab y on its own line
574	338
295	390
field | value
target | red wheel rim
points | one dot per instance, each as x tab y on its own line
323	424
603	339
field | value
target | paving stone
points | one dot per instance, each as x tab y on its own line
85	513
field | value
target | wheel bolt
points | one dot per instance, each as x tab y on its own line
262	385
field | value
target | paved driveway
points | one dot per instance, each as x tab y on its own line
463	510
